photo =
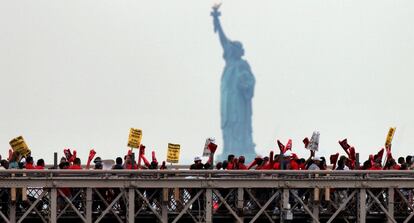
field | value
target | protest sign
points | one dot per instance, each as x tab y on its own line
206	150
314	141
173	154
134	139
19	145
390	135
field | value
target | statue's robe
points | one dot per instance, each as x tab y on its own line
237	88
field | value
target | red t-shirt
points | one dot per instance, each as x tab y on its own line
39	167
75	167
29	166
242	166
294	165
375	168
129	166
230	166
396	167
276	166
267	166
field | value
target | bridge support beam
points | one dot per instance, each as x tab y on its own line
209	206
362	214
391	204
131	205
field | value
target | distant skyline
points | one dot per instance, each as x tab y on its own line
78	74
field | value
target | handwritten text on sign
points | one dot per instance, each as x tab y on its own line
19	145
134	139
173	154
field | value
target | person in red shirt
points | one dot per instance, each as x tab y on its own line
241	163
76	164
376	166
392	165
276	162
128	163
293	165
40	165
262	163
29	163
230	160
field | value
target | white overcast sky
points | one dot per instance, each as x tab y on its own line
80	73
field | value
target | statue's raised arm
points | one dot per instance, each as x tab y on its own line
217	26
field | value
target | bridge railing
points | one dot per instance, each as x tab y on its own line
205	195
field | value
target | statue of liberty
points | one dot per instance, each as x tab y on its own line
237	88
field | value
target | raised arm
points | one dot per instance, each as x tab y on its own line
217	26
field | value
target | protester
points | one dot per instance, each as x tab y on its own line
4	164
128	163
29	163
98	163
341	163
76	164
118	164
40	165
315	165
197	165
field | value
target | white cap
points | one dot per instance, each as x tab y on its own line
197	158
287	153
317	158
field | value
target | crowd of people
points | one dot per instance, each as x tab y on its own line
284	160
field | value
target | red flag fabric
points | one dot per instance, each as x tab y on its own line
212	147
67	153
73	157
380	154
352	154
90	157
281	147
288	146
344	144
333	159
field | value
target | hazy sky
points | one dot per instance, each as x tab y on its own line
80	73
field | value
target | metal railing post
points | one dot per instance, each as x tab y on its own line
131	205
390	204
89	205
209	205
53	205
362	205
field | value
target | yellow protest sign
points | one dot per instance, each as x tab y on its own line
173	154
19	145
390	135
134	139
